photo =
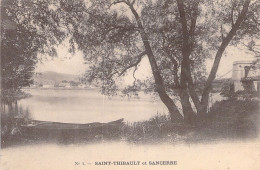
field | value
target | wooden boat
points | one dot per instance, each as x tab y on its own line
56	129
35	124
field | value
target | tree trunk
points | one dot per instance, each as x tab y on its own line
202	105
173	110
214	69
189	115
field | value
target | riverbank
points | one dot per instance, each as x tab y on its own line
227	120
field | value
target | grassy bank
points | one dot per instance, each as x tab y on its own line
227	120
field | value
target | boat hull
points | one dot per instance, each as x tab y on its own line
65	131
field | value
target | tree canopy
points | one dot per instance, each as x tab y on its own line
24	34
176	36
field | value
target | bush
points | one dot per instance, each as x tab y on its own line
227	119
234	119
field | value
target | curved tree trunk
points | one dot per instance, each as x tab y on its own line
173	110
202	105
214	69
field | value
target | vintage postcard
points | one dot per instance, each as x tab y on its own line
130	84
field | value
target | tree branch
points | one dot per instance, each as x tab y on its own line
117	2
133	2
175	71
134	75
221	31
160	87
232	13
128	67
183	21
133	64
101	19
194	18
221	50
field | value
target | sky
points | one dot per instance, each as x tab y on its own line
64	62
74	64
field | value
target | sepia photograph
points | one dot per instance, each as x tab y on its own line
130	84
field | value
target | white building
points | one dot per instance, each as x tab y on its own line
246	71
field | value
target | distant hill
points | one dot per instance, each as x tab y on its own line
51	78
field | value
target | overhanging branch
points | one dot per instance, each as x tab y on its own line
130	66
133	64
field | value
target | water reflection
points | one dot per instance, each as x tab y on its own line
70	106
18	128
12	116
76	107
87	106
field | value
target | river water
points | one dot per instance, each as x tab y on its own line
89	105
85	106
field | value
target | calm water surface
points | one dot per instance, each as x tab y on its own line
85	106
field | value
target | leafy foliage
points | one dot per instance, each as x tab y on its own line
108	35
25	31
